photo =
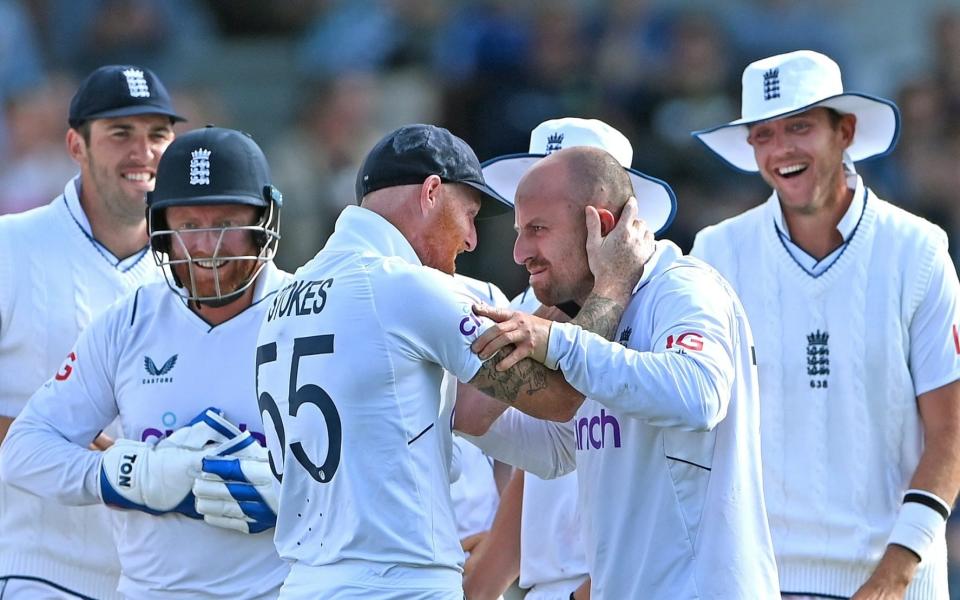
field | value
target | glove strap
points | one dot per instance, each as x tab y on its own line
111	497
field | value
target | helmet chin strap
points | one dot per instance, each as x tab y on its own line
221	301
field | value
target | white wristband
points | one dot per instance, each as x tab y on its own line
921	521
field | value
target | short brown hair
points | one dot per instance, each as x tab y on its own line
597	176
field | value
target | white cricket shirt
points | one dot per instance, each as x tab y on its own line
843	353
351	358
55	278
154	363
667	442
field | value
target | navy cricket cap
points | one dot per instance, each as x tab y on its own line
213	165
120	91
412	153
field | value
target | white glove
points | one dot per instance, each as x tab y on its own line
235	489
158	479
209	427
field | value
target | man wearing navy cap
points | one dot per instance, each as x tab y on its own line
60	266
349	367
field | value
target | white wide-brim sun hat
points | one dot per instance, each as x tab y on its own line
795	82
656	202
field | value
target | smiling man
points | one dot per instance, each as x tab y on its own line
60	266
854	307
214	220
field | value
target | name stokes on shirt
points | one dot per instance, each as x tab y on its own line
300	298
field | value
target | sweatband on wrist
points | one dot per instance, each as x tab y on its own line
921	521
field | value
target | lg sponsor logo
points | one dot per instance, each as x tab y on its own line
689	341
67	369
592	431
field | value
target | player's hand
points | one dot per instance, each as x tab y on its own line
518	334
145	477
158	479
890	579
208	428
617	259
235	489
473	546
875	591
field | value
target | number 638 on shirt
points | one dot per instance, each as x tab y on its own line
295	399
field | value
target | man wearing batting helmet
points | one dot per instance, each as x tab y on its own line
190	479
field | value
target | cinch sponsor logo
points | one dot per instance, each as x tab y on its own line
151	432
469	324
592	431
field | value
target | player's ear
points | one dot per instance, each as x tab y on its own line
430	194
76	146
848	127
607	221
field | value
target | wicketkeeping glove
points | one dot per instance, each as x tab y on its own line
235	489
209	427
158	478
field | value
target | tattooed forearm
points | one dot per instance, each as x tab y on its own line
600	315
525	378
530	387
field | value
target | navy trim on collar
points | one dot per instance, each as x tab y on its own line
843	247
104	252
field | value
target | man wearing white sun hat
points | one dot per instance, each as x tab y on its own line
543	545
666	445
657	204
854	304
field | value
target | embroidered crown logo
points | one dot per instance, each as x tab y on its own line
136	83
554	142
771	84
157	375
625	336
818	358
200	167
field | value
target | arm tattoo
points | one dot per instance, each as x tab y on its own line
526	377
600	315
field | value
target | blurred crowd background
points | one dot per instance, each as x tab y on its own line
317	82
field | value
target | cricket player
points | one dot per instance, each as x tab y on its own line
545	549
60	266
350	361
666	442
855	305
193	486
